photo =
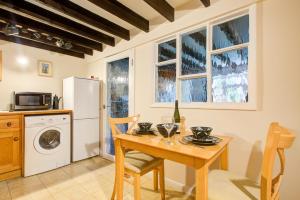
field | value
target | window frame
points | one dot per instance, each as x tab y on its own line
191	76
252	63
157	64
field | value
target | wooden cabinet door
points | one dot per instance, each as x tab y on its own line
10	151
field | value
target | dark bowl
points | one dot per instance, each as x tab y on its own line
201	131
163	131
145	126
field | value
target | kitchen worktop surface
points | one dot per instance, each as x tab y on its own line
35	112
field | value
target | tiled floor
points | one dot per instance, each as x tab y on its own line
85	180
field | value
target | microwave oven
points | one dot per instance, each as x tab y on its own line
32	101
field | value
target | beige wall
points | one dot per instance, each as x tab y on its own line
19	78
279	93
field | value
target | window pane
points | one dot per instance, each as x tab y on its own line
194	90
167	51
193	55
231	33
230	76
166	83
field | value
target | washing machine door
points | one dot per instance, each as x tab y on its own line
48	141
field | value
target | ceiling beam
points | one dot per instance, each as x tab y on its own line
44	28
206	3
121	11
43	39
163	7
38	45
58	20
73	10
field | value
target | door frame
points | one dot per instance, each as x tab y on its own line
130	54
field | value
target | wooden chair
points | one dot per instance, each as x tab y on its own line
137	163
223	185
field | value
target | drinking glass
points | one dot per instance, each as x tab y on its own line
168	123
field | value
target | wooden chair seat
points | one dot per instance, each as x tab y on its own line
139	162
224	185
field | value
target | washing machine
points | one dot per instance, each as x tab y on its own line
47	143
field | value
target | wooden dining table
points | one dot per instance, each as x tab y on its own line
198	157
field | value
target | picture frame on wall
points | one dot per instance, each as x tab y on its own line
45	68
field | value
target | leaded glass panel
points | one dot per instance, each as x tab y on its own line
231	33
230	76
167	51
193	53
117	96
166	83
194	90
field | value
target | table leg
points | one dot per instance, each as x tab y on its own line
202	181
224	159
119	168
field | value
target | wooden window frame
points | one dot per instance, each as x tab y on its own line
252	63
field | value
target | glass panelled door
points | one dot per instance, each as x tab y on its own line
118	92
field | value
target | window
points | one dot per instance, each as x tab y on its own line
193	77
229	61
212	66
166	72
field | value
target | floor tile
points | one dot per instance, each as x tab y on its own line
4	191
90	179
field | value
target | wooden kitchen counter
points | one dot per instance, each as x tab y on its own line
12	140
35	112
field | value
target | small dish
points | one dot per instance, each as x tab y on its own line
145	126
205	141
151	131
201	131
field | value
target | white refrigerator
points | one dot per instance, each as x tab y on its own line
81	95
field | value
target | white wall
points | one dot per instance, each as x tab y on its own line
279	93
20	78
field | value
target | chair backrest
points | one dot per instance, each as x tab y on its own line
131	121
278	139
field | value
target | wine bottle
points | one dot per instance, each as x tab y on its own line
177	116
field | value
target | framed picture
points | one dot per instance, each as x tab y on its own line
45	68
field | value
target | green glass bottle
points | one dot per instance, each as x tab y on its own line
177	116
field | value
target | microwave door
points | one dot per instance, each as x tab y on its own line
30	101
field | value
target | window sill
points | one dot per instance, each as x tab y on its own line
162	105
209	106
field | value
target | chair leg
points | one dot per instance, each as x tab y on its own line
114	192
137	186
155	179
162	180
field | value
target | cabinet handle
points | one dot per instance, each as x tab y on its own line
8	124
16	139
